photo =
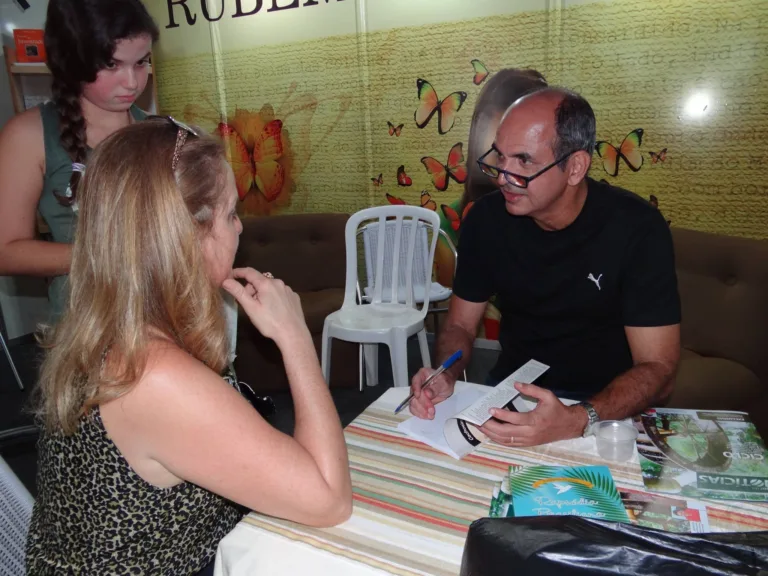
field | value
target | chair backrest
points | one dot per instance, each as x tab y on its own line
393	221
421	279
15	513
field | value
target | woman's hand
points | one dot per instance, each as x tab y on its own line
274	309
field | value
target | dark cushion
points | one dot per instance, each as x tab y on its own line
723	283
317	305
713	384
306	251
707	383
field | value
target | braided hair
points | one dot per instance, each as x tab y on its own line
80	40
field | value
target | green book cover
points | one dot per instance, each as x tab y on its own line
702	454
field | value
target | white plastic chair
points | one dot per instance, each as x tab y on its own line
386	319
422	278
15	513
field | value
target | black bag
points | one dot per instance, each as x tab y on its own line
569	545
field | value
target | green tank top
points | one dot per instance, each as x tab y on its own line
60	219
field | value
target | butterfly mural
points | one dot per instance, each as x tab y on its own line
394	130
453	216
429	103
378	181
402	178
660	156
425	201
628	150
395	201
454	168
481	72
254	151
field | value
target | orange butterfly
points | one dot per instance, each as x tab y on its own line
658	156
260	167
429	103
378	181
394	130
481	72
629	150
402	178
395	200
441	172
453	216
427	202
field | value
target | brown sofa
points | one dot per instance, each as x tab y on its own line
723	284
307	252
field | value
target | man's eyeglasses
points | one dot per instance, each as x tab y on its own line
181	137
515	179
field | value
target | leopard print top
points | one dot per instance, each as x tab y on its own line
95	515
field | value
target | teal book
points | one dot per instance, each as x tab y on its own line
586	491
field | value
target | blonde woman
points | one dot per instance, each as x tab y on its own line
148	454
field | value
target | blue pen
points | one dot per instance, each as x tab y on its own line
447	364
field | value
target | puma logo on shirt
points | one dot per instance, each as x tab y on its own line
595	280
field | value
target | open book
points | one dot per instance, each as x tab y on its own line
454	430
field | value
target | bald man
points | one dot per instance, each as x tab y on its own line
584	274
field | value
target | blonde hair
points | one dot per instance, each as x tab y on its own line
499	93
137	265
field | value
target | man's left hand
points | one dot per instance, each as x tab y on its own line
551	420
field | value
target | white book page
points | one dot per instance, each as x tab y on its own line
503	393
431	431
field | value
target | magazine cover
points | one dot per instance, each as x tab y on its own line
586	491
648	510
663	513
702	454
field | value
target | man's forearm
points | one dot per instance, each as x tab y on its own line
452	338
642	386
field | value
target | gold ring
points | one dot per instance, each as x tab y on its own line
268	275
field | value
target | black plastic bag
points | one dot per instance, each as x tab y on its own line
569	545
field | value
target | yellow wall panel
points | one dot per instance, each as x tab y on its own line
692	74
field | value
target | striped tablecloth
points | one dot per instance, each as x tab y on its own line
413	505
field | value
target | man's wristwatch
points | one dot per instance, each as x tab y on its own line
593	418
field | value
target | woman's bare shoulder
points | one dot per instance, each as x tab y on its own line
28	122
24	133
167	364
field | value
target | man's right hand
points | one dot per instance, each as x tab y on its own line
423	403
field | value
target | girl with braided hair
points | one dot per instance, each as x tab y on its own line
98	54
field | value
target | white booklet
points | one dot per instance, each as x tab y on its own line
454	429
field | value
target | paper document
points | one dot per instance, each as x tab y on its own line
454	428
503	393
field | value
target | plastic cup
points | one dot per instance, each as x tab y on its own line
615	440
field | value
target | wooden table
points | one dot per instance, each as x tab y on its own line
413	505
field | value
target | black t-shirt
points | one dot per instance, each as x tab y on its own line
565	296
